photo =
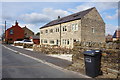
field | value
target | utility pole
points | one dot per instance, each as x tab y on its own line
5	31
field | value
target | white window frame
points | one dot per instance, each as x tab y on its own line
75	27
93	30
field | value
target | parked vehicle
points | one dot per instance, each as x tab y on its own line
25	41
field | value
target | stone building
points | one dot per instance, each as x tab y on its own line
27	32
84	26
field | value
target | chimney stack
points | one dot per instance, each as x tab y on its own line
16	23
58	17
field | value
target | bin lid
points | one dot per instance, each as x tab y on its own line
92	52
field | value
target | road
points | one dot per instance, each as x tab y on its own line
19	66
0	61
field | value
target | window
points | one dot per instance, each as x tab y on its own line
46	31
57	42
63	41
68	42
51	30
41	41
75	27
45	41
74	40
41	32
93	30
64	28
57	29
11	31
51	42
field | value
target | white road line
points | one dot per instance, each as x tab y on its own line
47	63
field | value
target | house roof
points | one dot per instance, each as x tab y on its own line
68	18
35	37
16	25
27	29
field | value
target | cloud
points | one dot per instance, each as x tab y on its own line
105	0
101	6
32	27
115	16
47	15
81	7
60	0
7	17
110	29
53	14
34	18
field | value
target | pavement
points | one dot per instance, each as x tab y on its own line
56	61
40	66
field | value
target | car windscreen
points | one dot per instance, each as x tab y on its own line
27	41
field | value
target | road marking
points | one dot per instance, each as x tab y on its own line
47	63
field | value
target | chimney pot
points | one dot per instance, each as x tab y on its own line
58	17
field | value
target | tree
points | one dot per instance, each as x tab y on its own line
37	34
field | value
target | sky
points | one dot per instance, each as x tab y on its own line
36	14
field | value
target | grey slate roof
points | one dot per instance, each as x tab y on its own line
68	18
35	37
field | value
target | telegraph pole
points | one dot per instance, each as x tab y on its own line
5	31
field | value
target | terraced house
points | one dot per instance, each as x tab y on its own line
84	26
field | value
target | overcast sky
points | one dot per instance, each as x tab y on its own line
36	14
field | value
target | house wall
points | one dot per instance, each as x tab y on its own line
71	34
93	27
50	36
27	32
66	36
16	35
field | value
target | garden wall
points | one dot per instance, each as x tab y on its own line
109	62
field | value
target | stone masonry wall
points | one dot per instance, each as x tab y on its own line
93	27
109	62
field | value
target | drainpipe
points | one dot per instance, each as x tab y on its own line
60	30
60	34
